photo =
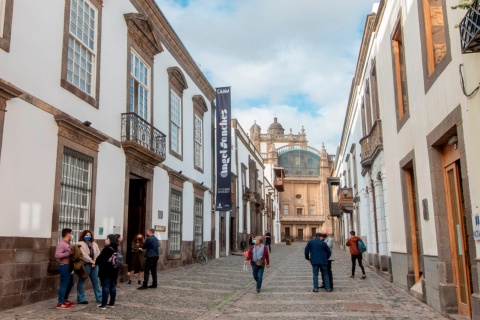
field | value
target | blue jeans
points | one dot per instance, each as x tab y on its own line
108	287
66	282
324	270
93	274
258	275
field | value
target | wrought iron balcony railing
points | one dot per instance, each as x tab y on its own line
371	144
470	29
136	129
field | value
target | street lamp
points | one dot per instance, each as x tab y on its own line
345	191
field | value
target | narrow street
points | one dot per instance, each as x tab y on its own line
222	290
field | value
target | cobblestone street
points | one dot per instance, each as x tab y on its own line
222	290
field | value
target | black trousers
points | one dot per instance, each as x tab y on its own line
356	257
269	247
150	265
329	270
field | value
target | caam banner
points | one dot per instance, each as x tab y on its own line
223	151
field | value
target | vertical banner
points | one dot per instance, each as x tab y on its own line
223	151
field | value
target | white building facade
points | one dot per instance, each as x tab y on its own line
106	125
418	152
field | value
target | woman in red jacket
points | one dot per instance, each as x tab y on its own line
259	259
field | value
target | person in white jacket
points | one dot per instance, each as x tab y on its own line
90	252
330	242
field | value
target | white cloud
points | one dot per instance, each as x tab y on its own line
269	50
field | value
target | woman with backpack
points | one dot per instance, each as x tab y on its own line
108	272
353	242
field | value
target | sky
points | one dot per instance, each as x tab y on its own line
290	59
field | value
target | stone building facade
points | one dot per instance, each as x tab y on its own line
304	206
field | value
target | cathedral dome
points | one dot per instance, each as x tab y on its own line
275	127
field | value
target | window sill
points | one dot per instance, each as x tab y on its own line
174	256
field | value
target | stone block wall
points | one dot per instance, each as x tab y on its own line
25	276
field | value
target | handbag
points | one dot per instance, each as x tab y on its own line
260	263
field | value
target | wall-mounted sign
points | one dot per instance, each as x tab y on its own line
160	228
100	231
476	226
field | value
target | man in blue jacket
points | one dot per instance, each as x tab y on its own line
318	253
151	259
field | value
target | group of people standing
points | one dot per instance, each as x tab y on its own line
87	261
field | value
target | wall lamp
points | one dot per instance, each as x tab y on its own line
345	191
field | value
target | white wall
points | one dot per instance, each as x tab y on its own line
27	171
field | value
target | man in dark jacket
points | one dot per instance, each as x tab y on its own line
150	246
318	253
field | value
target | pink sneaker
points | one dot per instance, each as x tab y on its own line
63	306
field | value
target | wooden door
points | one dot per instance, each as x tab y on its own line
300	234
458	243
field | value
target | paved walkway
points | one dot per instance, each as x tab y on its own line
222	290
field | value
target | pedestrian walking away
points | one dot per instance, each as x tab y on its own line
330	242
268	240
318	252
90	253
136	264
259	258
151	259
107	272
62	254
352	242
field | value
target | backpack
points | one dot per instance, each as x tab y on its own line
116	260
362	248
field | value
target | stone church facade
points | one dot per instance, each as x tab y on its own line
304	206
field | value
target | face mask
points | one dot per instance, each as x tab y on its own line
107	242
254	241
88	238
71	239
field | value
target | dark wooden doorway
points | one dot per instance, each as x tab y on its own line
137	196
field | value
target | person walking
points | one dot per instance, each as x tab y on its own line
318	252
107	272
250	239
330	242
352	242
259	259
90	253
150	246
62	254
268	240
137	260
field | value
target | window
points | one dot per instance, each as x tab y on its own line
80	66
299	211
364	125
400	75
175	123
374	91
435	39
175	221
75	192
298	196
3	6
287	231
198	221
368	108
6	13
285	209
198	142
82	45
139	87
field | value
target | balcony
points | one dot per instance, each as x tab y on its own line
345	203
371	145
279	177
470	29
302	218
141	140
